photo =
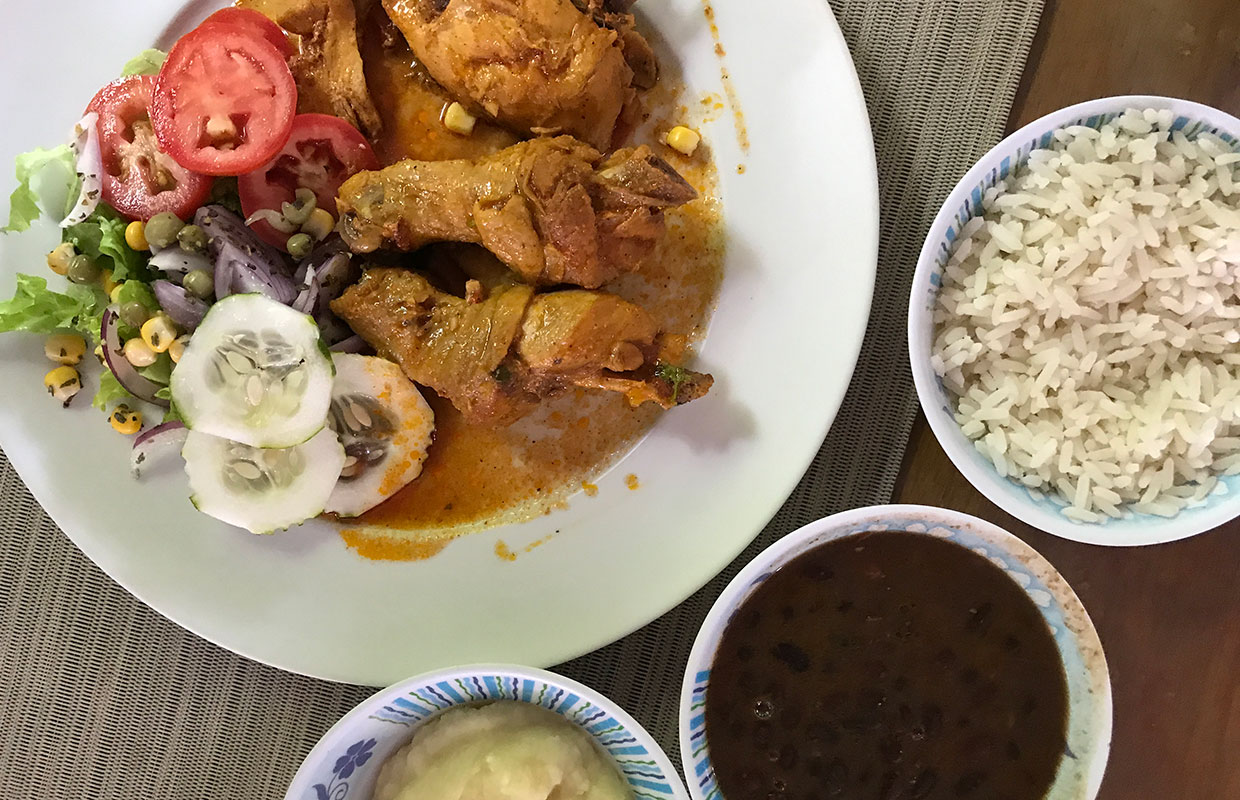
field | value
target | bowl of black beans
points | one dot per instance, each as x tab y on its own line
897	652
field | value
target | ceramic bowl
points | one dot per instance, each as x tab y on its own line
962	204
1089	687
345	763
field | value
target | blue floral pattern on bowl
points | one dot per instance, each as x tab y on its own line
337	787
345	764
1089	694
966	202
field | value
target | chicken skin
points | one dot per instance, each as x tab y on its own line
553	210
537	66
494	356
411	104
326	62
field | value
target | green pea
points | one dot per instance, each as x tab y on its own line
82	269
192	238
199	283
298	212
134	313
162	229
299	245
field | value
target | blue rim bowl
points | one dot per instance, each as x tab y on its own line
1089	685
345	763
1043	511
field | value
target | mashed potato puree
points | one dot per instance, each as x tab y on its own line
502	751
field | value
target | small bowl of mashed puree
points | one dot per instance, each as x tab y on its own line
487	733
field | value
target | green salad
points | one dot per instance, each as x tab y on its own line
212	328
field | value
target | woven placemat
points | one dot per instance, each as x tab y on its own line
100	697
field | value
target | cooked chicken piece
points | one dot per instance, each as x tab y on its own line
450	266
568	332
326	62
613	6
495	356
440	340
540	66
637	51
550	209
411	104
600	341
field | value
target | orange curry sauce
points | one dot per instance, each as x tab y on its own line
476	477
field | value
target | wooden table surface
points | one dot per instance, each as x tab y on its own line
1169	616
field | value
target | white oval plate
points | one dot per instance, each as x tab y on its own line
802	225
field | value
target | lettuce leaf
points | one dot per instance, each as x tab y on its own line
110	391
173	414
224	193
137	292
160	372
147	62
37	309
41	177
102	237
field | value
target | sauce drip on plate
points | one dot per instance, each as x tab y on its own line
887	665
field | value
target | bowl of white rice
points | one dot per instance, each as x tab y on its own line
1074	324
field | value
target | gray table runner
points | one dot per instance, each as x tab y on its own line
100	697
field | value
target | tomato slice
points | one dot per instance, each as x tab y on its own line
224	100
140	180
322	151
251	20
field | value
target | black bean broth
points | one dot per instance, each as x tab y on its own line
887	665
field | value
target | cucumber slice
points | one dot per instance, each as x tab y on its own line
254	372
261	489
386	427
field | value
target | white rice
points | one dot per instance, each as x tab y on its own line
1088	321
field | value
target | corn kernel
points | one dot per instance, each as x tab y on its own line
139	353
58	259
125	420
63	383
115	295
109	286
99	354
158	332
458	120
177	348
135	235
65	348
320	225
683	140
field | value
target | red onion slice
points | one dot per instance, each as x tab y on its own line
323	277
354	344
155	445
224	227
308	297
336	274
319	256
175	261
184	309
243	275
243	262
125	373
89	169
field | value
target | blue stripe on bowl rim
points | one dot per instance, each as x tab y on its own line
969	209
